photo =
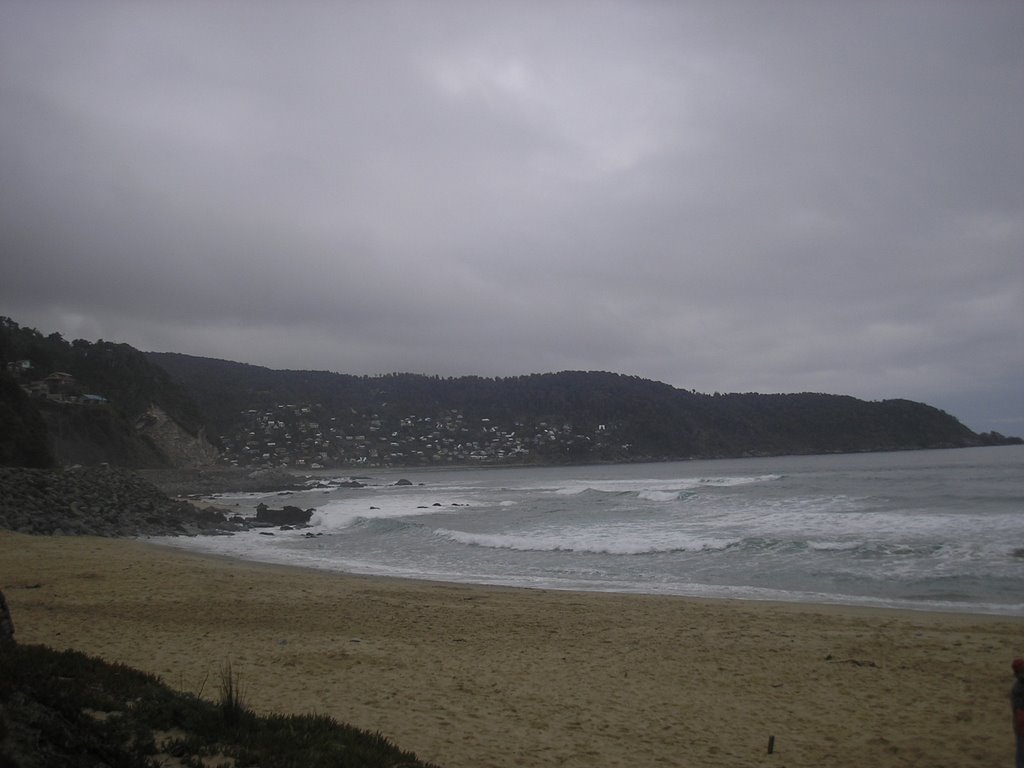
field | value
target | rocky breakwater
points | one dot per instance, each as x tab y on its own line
99	501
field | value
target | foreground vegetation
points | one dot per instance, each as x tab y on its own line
63	708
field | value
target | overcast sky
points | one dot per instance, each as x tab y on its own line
724	196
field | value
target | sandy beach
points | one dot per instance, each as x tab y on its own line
470	676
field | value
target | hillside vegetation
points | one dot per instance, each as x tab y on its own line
23	436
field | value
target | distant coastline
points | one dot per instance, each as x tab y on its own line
108	403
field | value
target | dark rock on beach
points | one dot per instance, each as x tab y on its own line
6	623
98	501
286	516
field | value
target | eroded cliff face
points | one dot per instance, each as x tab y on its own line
91	435
181	448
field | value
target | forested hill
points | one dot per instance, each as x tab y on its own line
317	418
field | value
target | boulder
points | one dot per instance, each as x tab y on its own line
6	624
285	516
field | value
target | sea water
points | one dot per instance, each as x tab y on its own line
933	530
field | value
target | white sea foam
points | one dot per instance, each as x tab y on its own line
732	481
659	495
337	515
833	546
608	542
653	485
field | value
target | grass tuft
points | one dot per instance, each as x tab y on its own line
233	708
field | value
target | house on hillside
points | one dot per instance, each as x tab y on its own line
59	386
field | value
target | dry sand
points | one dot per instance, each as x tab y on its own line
470	677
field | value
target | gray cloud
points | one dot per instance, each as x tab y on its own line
724	196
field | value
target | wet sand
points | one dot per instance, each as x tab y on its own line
470	677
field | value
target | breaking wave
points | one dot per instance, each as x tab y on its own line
661	490
594	544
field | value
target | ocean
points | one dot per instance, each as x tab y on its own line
939	530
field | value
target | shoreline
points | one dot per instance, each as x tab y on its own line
475	675
841	602
412	581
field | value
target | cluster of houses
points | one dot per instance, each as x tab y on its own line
309	436
57	387
313	437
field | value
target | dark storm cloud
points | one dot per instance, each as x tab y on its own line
725	196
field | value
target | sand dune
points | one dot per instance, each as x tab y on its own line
470	677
